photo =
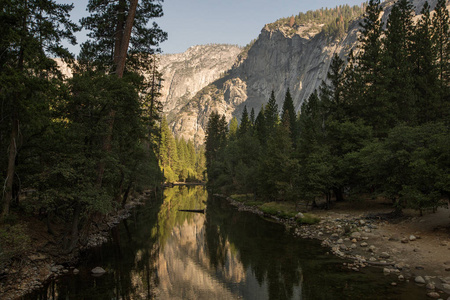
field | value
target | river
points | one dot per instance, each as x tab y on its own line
163	253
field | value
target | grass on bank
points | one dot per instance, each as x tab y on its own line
280	209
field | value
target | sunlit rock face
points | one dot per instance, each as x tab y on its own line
276	61
184	74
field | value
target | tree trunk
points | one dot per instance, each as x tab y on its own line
75	223
122	41
125	196
125	40
338	193
11	166
119	30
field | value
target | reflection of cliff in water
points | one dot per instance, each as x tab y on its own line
184	267
198	261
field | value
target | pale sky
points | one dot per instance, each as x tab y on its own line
199	22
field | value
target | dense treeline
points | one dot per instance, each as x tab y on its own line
180	161
379	125
335	20
80	146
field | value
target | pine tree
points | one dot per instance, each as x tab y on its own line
114	27
119	29
332	94
288	113
271	113
216	136
424	69
245	123
260	126
371	106
31	31
441	41
233	128
397	68
252	117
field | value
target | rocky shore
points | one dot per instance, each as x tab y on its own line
34	270
404	251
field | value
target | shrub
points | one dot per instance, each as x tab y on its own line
14	242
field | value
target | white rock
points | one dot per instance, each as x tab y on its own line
98	271
419	279
299	215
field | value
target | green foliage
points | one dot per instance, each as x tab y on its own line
378	124
281	209
88	142
179	159
242	197
14	242
309	219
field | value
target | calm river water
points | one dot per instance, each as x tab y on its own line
162	253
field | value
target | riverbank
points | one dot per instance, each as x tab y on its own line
406	248
46	262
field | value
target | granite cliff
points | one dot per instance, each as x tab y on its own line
277	60
184	74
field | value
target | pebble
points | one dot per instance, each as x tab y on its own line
394	283
412	238
355	234
433	295
401	277
404	240
430	286
76	271
384	255
98	271
363	244
419	279
446	286
386	271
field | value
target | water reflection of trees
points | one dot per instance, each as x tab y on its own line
274	262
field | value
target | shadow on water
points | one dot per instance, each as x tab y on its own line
162	252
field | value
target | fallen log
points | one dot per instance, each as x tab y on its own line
202	211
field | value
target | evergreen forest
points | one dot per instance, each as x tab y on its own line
76	148
377	127
333	22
